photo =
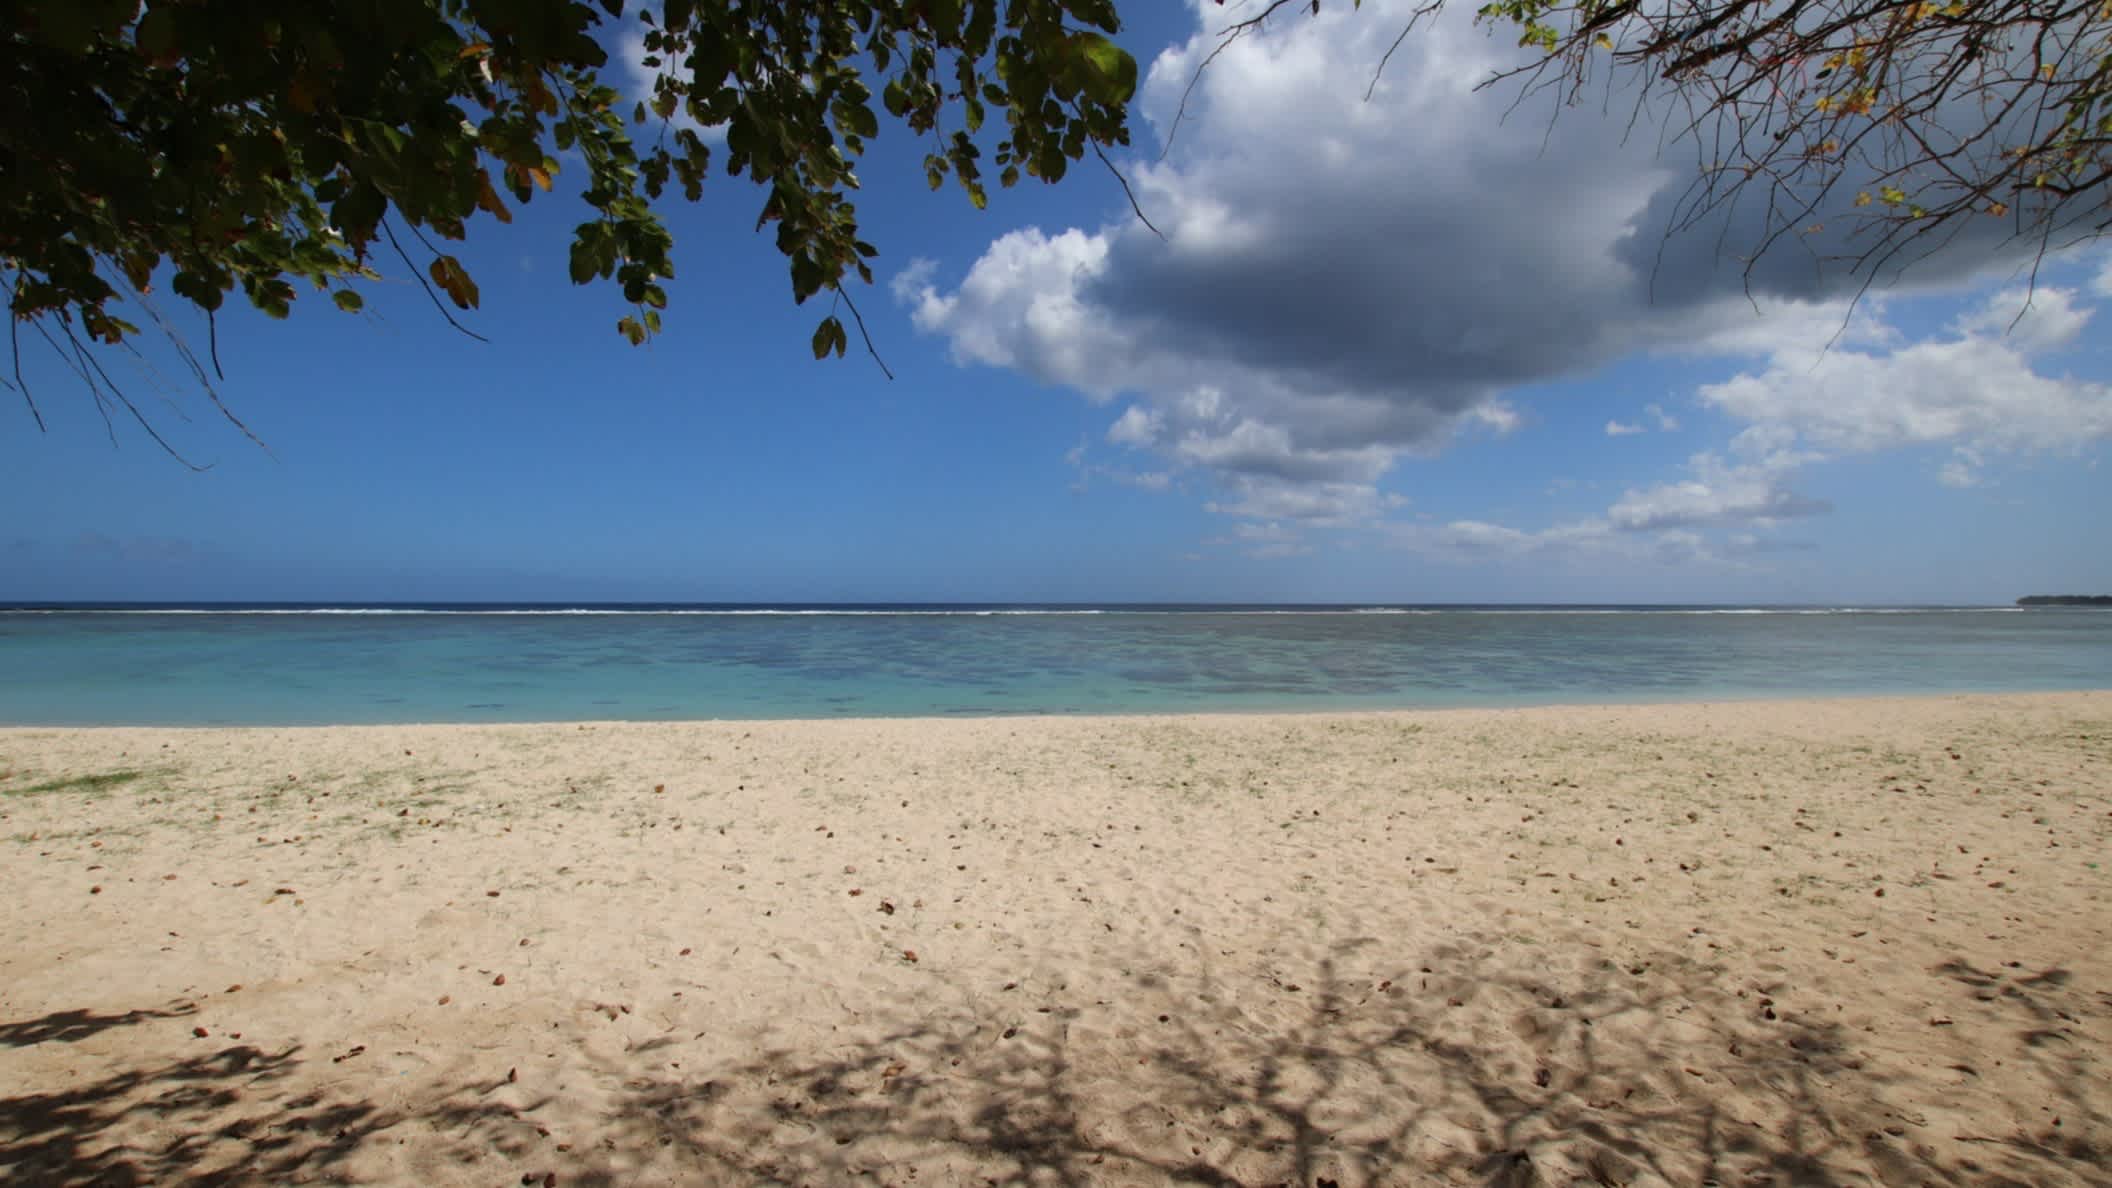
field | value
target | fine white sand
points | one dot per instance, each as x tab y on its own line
1819	942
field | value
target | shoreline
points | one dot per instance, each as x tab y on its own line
1869	939
1100	716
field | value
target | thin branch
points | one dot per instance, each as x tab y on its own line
1255	21
14	342
1427	9
1126	191
863	333
1230	33
190	360
35	414
85	366
1743	71
154	378
420	278
118	393
1612	15
74	364
427	244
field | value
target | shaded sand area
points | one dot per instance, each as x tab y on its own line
1849	942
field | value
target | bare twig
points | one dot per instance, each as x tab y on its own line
1230	34
420	277
1799	103
1429	8
1126	191
84	365
80	371
190	360
14	342
125	401
863	333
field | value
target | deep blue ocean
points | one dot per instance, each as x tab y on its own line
297	665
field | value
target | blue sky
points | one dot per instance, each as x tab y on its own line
1395	350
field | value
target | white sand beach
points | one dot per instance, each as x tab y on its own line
1798	942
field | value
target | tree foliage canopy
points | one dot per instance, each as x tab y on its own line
253	145
1910	118
257	144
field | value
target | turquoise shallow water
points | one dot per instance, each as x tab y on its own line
295	666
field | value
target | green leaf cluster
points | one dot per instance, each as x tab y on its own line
793	85
268	147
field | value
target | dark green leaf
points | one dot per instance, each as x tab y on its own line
358	211
858	118
1111	75
585	259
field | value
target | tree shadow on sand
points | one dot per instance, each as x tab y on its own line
1460	1070
1479	1063
231	1116
67	1027
2044	1013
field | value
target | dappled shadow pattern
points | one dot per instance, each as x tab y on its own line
2042	1011
1478	1063
227	1117
1461	1071
53	1138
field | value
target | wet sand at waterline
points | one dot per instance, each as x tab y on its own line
1795	942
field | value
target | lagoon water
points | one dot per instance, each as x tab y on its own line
288	665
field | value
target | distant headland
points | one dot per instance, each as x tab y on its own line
2065	600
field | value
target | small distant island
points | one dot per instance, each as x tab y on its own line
2065	600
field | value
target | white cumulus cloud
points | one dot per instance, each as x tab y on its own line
1718	492
1978	386
1345	282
